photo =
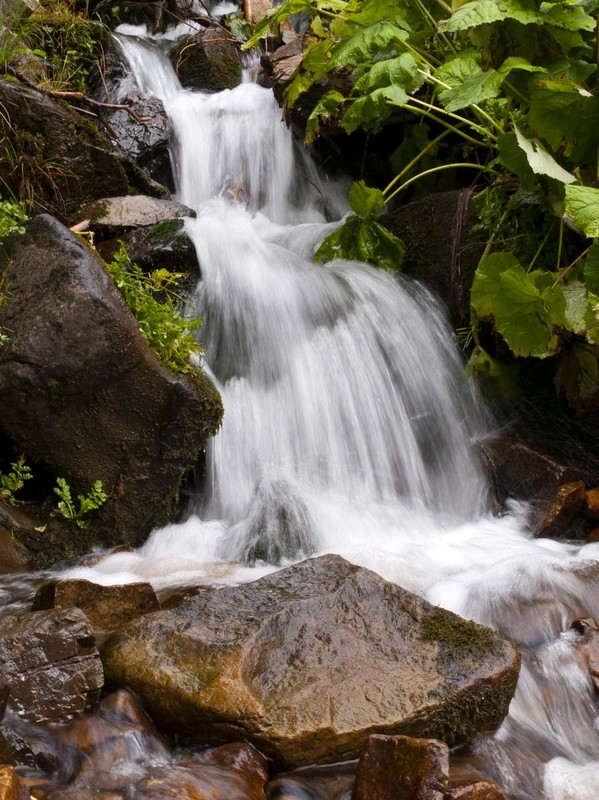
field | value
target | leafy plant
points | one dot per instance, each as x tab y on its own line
12	481
153	299
513	86
94	499
12	217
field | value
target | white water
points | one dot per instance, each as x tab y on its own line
349	428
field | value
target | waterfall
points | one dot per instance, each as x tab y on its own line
349	428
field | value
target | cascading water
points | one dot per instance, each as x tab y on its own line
348	428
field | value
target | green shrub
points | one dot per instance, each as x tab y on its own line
95	498
12	481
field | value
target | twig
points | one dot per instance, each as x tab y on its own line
567	269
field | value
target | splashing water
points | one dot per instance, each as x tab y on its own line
348	428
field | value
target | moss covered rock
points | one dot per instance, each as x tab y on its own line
310	661
209	61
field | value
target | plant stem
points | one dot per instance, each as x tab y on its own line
416	159
442	111
567	269
432	170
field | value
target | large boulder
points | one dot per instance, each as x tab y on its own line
209	61
56	155
81	392
310	661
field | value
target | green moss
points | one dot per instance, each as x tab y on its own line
459	638
165	232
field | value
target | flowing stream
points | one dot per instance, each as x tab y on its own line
349	428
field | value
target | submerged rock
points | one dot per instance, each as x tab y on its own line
81	391
310	661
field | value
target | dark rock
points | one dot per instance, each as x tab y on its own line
441	251
209	61
145	142
58	156
81	391
4	693
50	663
592	502
12	520
466	784
26	745
106	607
111	216
158	14
310	661
402	768
284	61
567	504
9	784
165	246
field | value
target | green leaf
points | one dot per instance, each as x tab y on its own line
459	69
364	240
591	269
521	317
475	90
582	207
518	63
540	161
326	109
486	282
401	71
365	201
577	304
513	158
566	116
367	44
371	110
471	15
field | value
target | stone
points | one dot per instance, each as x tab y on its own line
209	61
592	501
588	647
63	159
9	784
165	246
440	249
567	504
50	663
111	216
255	10
106	607
308	662
402	768
81	392
466	784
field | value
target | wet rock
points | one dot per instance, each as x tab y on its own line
209	61
145	141
11	520
567	504
81	391
165	246
62	159
284	61
231	771
106	607
402	768
588	647
112	216
23	745
9	784
592	502
50	663
310	661
465	784
441	251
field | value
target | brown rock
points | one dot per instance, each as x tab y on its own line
9	784
588	647
402	768
106	607
568	503
81	391
465	784
592	499
50	663
209	60
306	663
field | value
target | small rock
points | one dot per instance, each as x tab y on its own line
112	216
106	607
592	500
209	61
402	768
465	784
567	504
9	784
50	663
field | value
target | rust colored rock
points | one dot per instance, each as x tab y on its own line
592	500
81	391
310	661
9	784
567	503
50	663
106	607
402	768
465	784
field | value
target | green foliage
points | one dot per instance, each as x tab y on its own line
153	300
12	217
11	482
363	240
515	81
94	499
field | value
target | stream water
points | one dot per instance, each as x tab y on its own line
349	428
